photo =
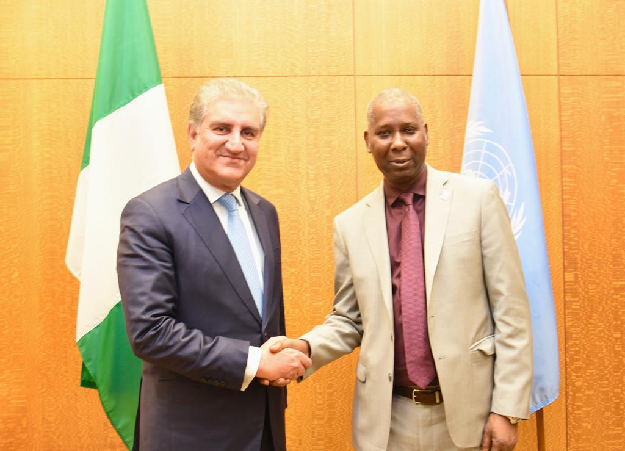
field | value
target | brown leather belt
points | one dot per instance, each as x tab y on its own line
430	396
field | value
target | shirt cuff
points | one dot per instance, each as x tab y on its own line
253	360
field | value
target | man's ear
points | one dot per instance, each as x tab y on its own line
427	137
192	135
366	135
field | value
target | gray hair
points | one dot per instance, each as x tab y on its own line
392	95
225	88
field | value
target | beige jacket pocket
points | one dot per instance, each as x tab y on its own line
486	345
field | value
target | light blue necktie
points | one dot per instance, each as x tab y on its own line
242	249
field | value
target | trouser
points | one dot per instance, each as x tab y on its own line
266	443
419	427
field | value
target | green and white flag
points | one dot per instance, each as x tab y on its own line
128	149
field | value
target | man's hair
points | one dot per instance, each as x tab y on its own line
392	95
225	88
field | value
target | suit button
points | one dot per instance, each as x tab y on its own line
266	335
390	377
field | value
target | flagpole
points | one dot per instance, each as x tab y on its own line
540	430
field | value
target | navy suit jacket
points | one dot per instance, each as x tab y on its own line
191	318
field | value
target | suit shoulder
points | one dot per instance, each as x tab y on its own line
157	195
255	197
469	183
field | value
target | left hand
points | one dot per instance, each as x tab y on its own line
499	434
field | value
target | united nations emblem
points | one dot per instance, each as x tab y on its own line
487	159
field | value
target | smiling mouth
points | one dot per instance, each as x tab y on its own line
232	157
399	163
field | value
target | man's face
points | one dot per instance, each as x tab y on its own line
225	144
398	140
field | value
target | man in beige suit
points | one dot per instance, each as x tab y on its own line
444	326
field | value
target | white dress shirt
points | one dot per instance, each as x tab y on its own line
213	194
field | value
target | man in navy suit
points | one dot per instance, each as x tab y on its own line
200	277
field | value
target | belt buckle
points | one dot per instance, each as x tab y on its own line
437	395
414	394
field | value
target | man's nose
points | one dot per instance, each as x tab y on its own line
398	142
234	143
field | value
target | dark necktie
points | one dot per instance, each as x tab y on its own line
419	360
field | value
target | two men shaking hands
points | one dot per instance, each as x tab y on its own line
428	284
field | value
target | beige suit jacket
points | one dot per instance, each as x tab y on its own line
476	302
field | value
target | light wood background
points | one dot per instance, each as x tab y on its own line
318	63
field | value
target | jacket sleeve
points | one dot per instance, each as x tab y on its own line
147	281
342	329
503	276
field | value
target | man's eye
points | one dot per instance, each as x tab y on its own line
410	130
220	130
249	133
384	134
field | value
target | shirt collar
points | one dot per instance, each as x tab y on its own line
213	194
391	194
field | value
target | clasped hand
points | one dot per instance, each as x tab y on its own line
282	361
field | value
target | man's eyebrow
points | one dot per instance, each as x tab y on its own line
219	122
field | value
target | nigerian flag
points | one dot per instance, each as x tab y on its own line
129	148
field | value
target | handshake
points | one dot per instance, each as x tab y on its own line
282	360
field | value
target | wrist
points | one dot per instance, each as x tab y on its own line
510	419
307	347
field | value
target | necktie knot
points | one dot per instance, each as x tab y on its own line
407	198
229	201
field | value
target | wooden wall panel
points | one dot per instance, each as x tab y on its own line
591	37
194	38
593	175
42	125
535	36
253	38
438	37
50	39
425	38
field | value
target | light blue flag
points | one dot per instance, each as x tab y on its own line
498	146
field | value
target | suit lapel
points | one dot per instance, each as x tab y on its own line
437	205
374	219
202	217
259	219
